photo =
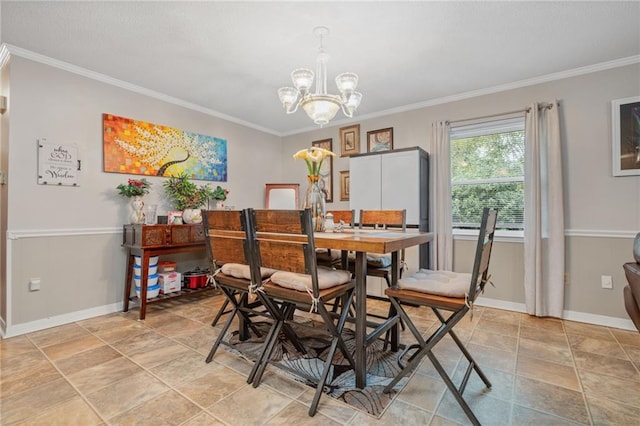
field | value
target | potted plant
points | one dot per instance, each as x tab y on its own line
220	194
187	196
135	189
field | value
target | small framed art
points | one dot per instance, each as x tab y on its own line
344	185
380	140
349	140
625	124
326	170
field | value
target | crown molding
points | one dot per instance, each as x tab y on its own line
7	49
36	57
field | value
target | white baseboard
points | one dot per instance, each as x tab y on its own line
41	324
603	320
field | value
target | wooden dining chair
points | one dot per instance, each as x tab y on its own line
283	240
229	254
445	291
334	258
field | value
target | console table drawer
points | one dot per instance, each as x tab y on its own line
162	235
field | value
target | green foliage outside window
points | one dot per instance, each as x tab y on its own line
488	171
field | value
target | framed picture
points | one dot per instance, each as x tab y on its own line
625	123
344	185
326	171
380	140
349	140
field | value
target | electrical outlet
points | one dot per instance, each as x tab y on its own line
566	279
34	284
606	281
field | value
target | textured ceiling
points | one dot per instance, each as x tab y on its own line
231	57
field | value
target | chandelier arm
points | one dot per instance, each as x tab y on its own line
345	111
295	107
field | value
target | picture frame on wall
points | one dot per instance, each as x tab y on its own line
625	124
349	140
326	170
344	185
380	140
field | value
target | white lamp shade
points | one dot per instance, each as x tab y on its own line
347	82
321	111
302	79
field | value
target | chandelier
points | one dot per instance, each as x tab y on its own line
320	106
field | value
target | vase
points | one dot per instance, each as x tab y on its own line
192	216
314	199
137	215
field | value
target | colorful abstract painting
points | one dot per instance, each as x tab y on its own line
141	148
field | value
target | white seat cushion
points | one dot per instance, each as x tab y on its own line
238	270
374	259
327	278
441	283
326	254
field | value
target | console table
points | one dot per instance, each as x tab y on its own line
156	240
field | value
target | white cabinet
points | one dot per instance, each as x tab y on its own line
390	180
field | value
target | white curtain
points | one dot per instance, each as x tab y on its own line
544	213
441	211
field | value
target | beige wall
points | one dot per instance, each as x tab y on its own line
69	237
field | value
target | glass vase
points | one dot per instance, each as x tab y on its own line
314	200
137	215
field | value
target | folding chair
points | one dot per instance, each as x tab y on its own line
379	265
445	291
228	253
283	240
328	257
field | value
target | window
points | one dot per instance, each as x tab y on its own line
487	170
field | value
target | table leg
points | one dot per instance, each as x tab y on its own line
360	358
395	267
127	283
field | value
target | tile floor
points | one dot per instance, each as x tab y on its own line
116	370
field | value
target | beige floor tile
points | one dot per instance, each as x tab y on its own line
626	337
589	330
250	406
126	330
22	362
163	352
57	335
87	359
27	379
398	413
72	347
597	346
125	394
527	416
609	387
606	365
441	421
552	325
494	340
200	339
296	413
607	412
558	353
501	382
75	412
102	375
501	316
488	410
212	387
549	372
498	327
184	368
15	346
335	410
168	408
281	384
551	399
541	334
493	358
21	406
203	419
423	392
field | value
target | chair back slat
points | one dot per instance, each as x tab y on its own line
384	218
283	240
347	216
480	271
225	237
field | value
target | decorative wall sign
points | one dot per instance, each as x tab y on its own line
141	148
57	164
625	123
326	171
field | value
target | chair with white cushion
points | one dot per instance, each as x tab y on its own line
228	254
283	240
445	291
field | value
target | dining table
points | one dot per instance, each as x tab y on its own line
363	241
